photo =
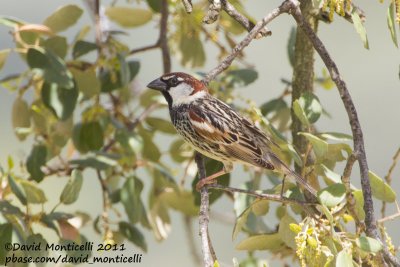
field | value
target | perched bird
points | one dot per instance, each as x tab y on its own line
216	130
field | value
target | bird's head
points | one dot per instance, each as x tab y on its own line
179	88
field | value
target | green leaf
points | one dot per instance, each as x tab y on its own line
130	142
320	146
88	136
3	57
36	159
290	45
391	22
191	47
311	106
82	48
61	101
133	235
155	5
17	190
6	238
11	22
129	17
275	105
300	113
150	150
87	82
161	125
359	208
34	240
240	222
344	259
112	80
332	176
260	207
58	45
284	231
71	190
53	68
98	162
177	151
63	18
8	209
358	25
182	201
380	189
241	77
34	194
134	67
21	117
336	136
130	198
261	242
332	195
369	244
294	154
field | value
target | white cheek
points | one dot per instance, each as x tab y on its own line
181	94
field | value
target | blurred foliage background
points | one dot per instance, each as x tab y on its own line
97	158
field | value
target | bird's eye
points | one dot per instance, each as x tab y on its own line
173	82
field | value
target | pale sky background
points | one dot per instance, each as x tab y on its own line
372	77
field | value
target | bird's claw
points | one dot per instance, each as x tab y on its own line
200	184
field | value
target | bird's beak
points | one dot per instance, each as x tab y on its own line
157	84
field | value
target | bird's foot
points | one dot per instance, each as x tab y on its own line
200	184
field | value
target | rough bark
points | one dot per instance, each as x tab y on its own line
303	73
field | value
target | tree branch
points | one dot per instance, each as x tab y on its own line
351	112
163	37
243	20
284	7
370	222
351	204
106	206
162	41
388	177
209	256
145	48
272	197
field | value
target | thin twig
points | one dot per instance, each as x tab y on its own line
243	20
351	203
209	256
145	48
370	222
162	41
245	42
272	197
388	177
106	206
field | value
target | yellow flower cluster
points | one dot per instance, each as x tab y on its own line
338	6
310	250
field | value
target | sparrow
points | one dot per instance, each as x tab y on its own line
216	130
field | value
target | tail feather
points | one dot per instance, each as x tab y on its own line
280	166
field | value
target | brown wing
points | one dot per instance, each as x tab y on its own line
219	124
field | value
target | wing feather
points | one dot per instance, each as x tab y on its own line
219	124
